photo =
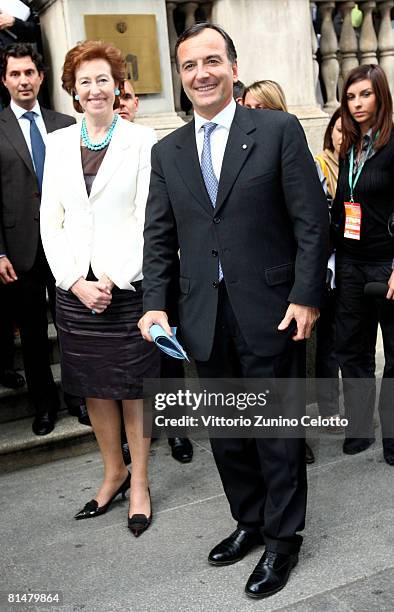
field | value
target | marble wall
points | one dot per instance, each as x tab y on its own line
63	26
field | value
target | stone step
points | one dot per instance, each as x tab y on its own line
53	344
20	448
14	403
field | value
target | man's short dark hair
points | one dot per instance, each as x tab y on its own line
18	50
238	89
196	29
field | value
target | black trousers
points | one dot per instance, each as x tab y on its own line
357	320
26	299
264	478
326	363
7	319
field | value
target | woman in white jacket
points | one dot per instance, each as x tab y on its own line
95	187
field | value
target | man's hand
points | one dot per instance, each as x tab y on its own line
7	272
390	292
304	316
95	295
6	21
151	317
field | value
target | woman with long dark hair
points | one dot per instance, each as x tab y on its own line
364	253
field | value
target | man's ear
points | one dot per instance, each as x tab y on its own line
42	76
235	71
136	102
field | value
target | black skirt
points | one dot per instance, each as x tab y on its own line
104	355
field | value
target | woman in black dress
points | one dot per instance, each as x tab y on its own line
364	253
95	188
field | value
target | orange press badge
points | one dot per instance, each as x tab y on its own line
352	220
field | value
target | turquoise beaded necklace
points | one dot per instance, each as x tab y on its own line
100	145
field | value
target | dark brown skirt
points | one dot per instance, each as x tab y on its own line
104	355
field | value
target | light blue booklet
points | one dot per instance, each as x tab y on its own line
168	344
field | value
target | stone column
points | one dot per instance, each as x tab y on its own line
273	41
368	40
386	41
172	38
348	41
315	63
329	50
189	9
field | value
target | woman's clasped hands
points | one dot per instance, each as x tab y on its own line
95	295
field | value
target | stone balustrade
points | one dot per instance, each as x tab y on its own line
341	46
337	48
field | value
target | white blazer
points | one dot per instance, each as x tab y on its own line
103	230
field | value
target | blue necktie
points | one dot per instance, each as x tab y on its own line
209	176
37	146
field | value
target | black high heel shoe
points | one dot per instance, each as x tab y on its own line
139	523
92	509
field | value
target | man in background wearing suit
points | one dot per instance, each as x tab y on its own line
181	447
236	192
23	267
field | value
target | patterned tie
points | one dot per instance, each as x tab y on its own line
209	176
37	146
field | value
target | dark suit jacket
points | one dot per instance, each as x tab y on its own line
19	191
269	228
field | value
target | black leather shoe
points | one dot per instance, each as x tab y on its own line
309	456
181	449
138	523
270	574
388	450
352	446
44	423
235	547
92	509
126	453
83	415
11	379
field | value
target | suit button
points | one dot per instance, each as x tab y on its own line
214	253
216	219
215	284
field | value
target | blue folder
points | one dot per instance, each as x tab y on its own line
168	344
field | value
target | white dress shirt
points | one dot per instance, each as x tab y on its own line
25	123
219	135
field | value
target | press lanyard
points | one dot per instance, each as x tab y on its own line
353	179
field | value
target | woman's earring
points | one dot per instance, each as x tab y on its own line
76	97
117	91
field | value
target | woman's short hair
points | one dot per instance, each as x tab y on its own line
384	107
85	52
327	142
269	93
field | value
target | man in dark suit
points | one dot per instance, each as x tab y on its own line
237	193
23	267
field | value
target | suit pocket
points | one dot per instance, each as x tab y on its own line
9	219
255	181
184	285
279	274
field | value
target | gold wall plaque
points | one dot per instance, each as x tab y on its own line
136	37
